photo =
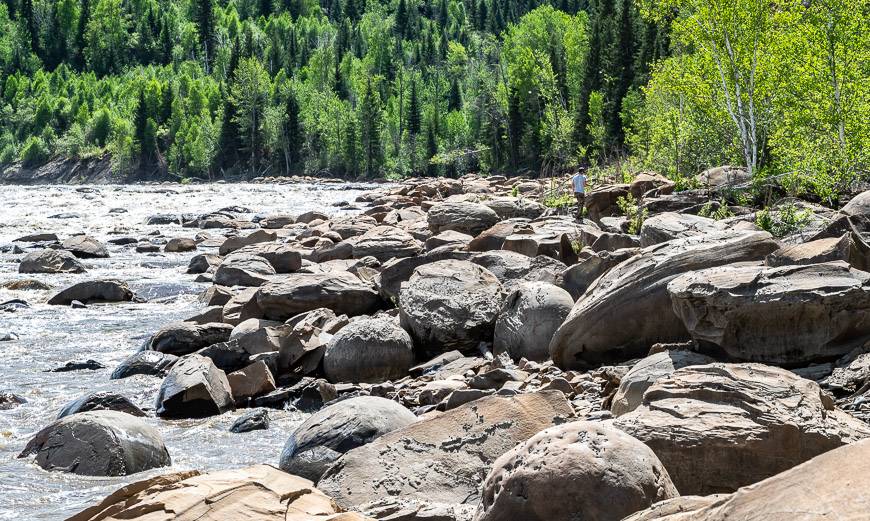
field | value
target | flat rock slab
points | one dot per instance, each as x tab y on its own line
444	458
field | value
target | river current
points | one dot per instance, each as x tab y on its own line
50	336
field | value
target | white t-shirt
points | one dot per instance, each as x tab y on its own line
579	181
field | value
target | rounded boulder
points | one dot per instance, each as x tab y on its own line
369	350
532	313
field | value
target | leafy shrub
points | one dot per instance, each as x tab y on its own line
782	221
34	152
630	207
718	213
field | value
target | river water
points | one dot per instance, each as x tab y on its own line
50	336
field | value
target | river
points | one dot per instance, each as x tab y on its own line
50	336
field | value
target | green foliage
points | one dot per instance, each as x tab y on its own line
784	220
559	200
34	152
716	210
631	208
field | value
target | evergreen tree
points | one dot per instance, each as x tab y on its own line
431	150
205	28
81	31
370	131
413	120
30	24
621	75
140	123
292	132
454	98
401	25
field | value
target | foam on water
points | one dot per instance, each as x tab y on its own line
52	335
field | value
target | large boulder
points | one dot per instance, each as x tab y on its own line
834	485
194	388
203	263
643	374
512	268
465	217
100	401
515	207
98	443
152	363
338	428
340	291
284	258
243	269
94	291
182	338
180	244
235	242
848	247
385	243
718	427
397	271
85	247
258	493
787	315
724	177
858	206
578	278
442	458
50	261
669	225
580	470
370	350
493	237
531	314
629	309
450	305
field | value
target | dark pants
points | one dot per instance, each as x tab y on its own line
581	198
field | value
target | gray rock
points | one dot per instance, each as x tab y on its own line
284	258
100	401
98	443
580	277
182	338
643	374
669	225
194	388
338	428
340	291
395	272
468	218
203	263
152	363
50	261
235	242
180	244
531	314
241	269
85	247
370	350
385	243
94	291
255	420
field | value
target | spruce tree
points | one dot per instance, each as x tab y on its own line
140	122
621	74
413	120
370	131
431	150
402	19
292	131
205	27
454	98
81	30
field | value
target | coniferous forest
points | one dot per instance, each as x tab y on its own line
370	88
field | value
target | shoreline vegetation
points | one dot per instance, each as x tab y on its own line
239	89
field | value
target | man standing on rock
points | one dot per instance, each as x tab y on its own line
578	182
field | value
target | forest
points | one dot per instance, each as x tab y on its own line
214	89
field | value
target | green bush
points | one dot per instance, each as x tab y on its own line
7	154
782	221
630	207
34	152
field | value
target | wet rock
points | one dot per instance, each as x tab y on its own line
100	401
86	365
98	443
338	428
241	269
203	263
64	215
147	247
442	458
94	291
385	243
258	493
255	420
25	285
10	400
50	261
580	470
450	305
180	244
85	247
340	291
232	244
38	237
181	338
194	388
719	427
8	336
163	219
531	314
283	257
643	374
253	380
464	217
612	319
123	241
669	225
370	350
151	363
833	485
787	315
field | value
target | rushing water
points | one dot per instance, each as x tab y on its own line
53	335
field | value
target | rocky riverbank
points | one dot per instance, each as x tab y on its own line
466	352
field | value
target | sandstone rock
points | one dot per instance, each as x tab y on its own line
258	493
180	244
628	309
338	428
194	388
98	443
312	216
601	201
207	315
284	258
93	291
531	314
669	225
152	363
842	248
401	509
340	291
241	269
385	243
182	338
450	305
443	458
493	237
253	380
276	220
100	401
833	485
580	470
242	306
85	247
465	217
235	242
50	261
719	427
370	350
511	268
645	373
451	238
646	181
395	272
786	315
581	276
